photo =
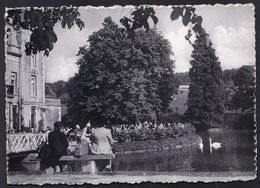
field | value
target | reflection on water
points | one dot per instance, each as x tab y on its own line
236	154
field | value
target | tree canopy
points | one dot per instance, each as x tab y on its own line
41	22
245	87
206	93
122	78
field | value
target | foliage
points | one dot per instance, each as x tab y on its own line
67	121
140	19
171	117
246	120
156	145
240	121
206	94
148	131
183	78
49	90
122	78
41	23
57	89
245	87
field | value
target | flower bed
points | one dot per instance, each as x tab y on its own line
156	145
148	131
152	137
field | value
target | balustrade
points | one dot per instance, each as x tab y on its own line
24	142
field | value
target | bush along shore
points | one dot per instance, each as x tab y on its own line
148	137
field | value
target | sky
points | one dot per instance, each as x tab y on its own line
231	29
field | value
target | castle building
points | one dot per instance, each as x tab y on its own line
27	107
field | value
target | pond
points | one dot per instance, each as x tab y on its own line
236	155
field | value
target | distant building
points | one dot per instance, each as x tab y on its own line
184	88
27	107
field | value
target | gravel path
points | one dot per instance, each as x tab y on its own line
124	177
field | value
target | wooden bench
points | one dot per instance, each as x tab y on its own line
91	157
70	159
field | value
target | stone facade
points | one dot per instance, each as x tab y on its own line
27	107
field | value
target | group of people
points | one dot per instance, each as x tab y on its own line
98	140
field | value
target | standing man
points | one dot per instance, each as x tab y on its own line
58	145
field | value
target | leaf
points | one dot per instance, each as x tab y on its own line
186	17
26	15
192	9
155	19
146	26
150	10
46	52
63	24
125	23
137	13
198	20
176	13
80	23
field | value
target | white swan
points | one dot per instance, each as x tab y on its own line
215	145
201	146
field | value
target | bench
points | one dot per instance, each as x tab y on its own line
87	162
90	157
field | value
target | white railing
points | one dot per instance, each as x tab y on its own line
22	142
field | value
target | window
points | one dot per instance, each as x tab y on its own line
8	36
15	117
33	116
14	81
10	120
33	86
33	61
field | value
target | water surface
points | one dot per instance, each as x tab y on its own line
236	154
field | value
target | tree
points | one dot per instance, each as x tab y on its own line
245	87
49	90
41	23
183	78
206	94
59	87
120	76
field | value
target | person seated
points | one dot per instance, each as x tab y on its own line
86	132
58	144
77	133
102	142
